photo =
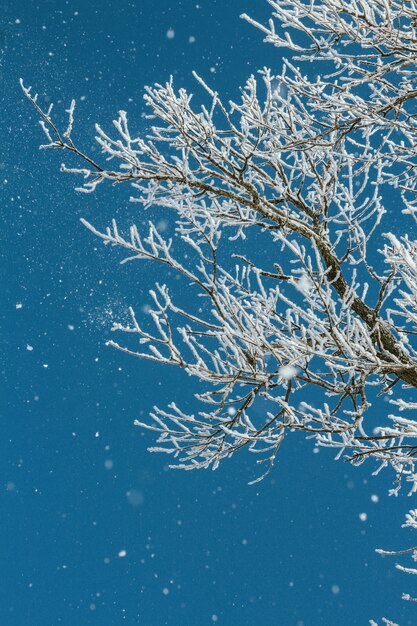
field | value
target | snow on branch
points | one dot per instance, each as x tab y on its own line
308	161
410	522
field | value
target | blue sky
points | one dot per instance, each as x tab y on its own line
95	530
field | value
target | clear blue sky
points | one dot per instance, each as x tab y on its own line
95	530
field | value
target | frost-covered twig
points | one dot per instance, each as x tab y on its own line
305	161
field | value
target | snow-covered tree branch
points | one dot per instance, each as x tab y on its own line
309	162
